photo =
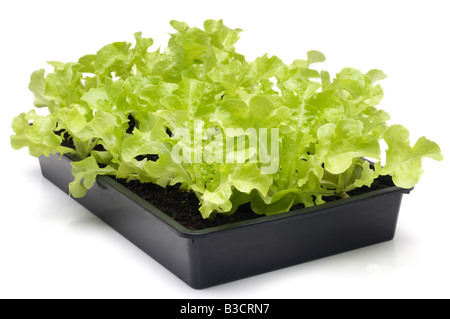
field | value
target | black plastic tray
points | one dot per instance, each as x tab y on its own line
209	257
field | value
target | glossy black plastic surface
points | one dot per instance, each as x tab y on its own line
221	254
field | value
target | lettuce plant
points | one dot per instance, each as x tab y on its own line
123	110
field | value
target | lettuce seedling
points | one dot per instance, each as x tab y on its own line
230	130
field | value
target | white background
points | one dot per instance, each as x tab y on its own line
50	247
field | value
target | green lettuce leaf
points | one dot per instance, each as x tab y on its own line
38	137
133	113
86	172
404	162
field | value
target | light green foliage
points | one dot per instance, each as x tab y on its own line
340	143
39	137
85	172
404	162
325	125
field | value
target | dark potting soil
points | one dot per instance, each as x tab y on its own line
183	206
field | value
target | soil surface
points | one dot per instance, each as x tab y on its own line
183	206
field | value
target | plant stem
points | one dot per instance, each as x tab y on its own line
328	183
92	145
84	149
343	179
324	193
